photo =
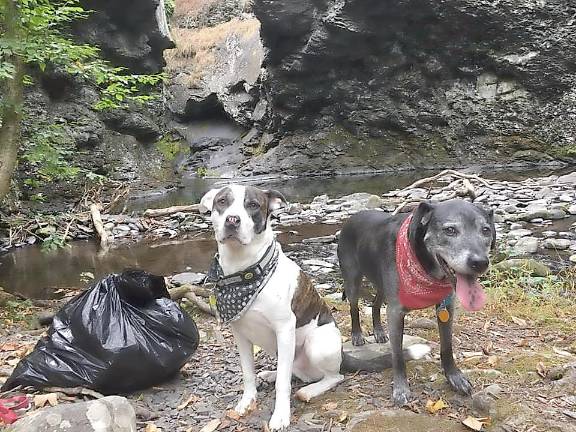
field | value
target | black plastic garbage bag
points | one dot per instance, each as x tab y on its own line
120	335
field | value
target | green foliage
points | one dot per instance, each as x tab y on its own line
169	7
54	241
44	23
170	148
46	152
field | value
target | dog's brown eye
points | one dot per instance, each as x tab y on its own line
253	205
222	201
450	231
486	231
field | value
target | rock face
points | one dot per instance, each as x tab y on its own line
109	414
358	85
135	40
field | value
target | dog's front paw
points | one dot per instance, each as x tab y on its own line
246	404
401	395
459	382
380	335
280	419
358	339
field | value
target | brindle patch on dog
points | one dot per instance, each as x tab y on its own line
307	304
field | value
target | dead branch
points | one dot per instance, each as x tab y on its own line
74	391
179	293
170	210
448	172
201	304
98	225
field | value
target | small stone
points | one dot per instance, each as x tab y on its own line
188	278
317	262
525	246
549	234
423	323
516	226
334	297
558	244
519	233
566	198
572	209
572	258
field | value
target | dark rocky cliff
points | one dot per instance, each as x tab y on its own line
375	84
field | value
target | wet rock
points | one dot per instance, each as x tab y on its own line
572	209
109	414
558	244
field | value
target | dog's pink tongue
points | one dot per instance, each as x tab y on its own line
470	292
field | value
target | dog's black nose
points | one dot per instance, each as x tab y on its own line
479	264
232	221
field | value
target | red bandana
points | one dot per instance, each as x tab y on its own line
417	289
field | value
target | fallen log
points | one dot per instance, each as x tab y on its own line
99	225
171	210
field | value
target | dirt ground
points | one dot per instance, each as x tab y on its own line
533	365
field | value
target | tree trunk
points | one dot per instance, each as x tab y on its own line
12	90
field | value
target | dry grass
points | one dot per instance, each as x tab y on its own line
191	8
196	49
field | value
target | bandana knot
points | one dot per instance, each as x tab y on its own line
417	289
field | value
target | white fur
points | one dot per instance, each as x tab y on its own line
311	352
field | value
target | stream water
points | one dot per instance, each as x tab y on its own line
36	274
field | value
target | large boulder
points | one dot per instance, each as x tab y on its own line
366	84
109	414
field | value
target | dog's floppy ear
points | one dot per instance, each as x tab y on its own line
492	227
207	201
420	218
276	200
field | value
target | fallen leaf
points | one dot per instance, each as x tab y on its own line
487	349
434	407
473	423
233	415
541	369
9	346
519	321
330	406
493	360
342	417
211	426
151	427
41	400
486	326
191	399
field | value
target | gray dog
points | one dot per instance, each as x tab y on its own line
415	261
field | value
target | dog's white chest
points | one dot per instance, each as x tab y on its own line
272	308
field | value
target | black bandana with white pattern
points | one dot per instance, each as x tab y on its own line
236	293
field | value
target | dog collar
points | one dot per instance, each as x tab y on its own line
417	289
235	293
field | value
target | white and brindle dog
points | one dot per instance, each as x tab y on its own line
271	303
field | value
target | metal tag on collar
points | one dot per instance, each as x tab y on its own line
248	276
442	309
